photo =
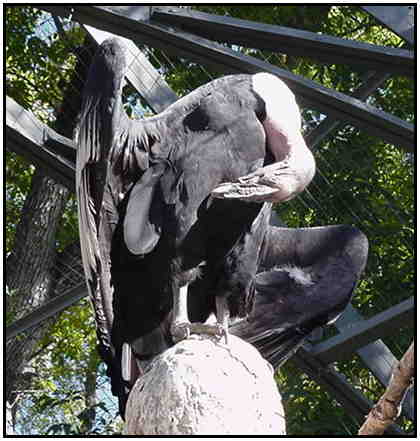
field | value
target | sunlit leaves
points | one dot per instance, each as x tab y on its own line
71	353
37	65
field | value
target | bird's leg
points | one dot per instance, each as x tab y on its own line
222	314
182	328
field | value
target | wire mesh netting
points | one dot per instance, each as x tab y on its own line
350	187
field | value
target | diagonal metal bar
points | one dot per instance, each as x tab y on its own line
330	124
46	311
337	386
377	358
361	333
27	136
400	19
288	40
140	73
373	121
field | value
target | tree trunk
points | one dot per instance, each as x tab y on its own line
29	268
30	275
90	392
203	387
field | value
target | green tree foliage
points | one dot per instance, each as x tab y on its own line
39	64
39	69
68	362
38	61
360	181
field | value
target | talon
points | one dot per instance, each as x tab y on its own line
255	174
222	189
182	331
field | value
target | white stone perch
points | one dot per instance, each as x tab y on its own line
203	387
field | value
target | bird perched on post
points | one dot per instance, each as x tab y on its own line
174	209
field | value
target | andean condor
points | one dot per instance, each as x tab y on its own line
174	220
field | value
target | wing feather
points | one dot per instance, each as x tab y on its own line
110	158
307	277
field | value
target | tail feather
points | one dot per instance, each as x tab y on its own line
278	346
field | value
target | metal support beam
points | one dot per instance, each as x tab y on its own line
330	124
46	311
355	403
27	136
377	357
361	333
400	19
330	102
288	40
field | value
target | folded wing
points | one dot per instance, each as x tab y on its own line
307	277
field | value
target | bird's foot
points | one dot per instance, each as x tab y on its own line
182	331
244	192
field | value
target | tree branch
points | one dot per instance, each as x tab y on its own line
387	410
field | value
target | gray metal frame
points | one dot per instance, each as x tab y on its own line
400	19
39	144
337	386
287	40
359	333
46	311
330	102
27	136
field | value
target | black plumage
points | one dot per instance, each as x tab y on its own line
174	216
305	280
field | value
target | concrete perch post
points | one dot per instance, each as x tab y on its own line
203	387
